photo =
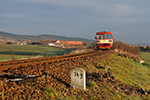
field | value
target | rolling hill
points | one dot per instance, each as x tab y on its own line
9	36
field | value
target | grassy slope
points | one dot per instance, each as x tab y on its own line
131	73
27	51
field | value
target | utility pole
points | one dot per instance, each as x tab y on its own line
121	36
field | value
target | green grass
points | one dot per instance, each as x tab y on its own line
7	52
92	84
121	96
130	72
51	93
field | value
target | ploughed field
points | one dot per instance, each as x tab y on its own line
100	82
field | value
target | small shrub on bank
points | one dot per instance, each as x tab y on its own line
92	84
51	93
126	48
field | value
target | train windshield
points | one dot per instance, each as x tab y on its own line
100	36
108	36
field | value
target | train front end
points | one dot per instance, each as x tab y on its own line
104	39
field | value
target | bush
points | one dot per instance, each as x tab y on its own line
92	84
127	48
51	93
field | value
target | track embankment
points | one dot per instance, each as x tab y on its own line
59	67
58	84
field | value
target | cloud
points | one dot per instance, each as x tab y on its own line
108	8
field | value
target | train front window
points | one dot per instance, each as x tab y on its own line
100	36
108	36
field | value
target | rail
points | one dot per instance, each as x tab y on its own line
44	61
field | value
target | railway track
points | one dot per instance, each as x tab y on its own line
47	60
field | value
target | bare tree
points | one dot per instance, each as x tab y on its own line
32	39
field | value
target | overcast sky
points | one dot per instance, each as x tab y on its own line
78	18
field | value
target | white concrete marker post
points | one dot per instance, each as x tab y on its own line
78	78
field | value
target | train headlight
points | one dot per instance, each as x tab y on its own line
110	40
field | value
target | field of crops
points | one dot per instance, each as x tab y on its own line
15	52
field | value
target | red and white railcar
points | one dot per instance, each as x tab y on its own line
104	39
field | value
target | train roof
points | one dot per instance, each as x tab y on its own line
103	31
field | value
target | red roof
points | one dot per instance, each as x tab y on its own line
73	43
66	43
53	41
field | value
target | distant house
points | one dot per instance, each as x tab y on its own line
51	42
44	41
24	43
73	43
17	43
57	42
63	43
